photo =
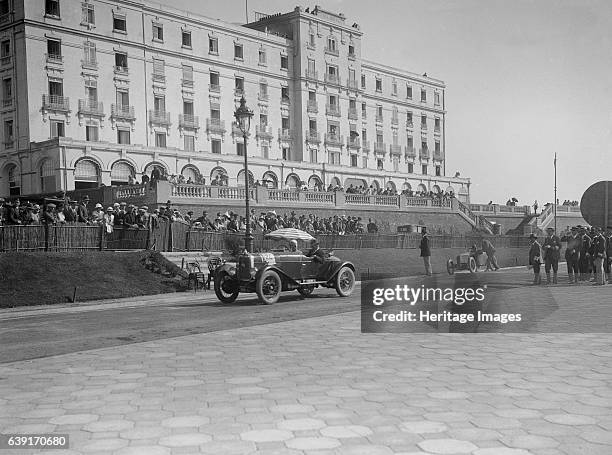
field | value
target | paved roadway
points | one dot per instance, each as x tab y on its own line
312	384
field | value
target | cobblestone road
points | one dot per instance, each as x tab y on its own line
319	386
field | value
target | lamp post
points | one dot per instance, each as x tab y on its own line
243	118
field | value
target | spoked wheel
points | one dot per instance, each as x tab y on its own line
225	287
306	290
345	281
269	287
450	267
472	265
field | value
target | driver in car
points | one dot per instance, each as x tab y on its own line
317	253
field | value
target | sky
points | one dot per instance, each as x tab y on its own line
525	79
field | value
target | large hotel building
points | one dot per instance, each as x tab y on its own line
94	91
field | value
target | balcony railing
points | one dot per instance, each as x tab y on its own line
424	153
56	102
55	58
380	147
215	125
159	117
122	70
7	102
332	109
409	124
215	88
334	139
331	51
437	155
437	129
312	107
410	152
332	79
352	84
91	64
312	136
353	142
159	77
187	83
91	107
285	100
285	134
189	121
264	132
9	144
424	126
238	91
379	118
365	145
312	74
352	113
263	96
6	60
122	111
395	149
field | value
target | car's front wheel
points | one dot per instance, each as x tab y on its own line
225	287
345	281
269	287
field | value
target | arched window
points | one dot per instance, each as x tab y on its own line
121	173
240	179
221	173
422	188
407	186
47	176
450	189
14	180
335	181
86	174
293	181
391	185
149	168
436	189
315	183
375	184
190	172
270	180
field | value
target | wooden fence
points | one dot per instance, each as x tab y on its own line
178	236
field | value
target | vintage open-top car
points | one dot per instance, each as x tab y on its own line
472	261
270	273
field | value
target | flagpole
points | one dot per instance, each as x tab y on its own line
555	201
246	10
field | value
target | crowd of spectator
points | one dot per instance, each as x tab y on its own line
71	212
571	203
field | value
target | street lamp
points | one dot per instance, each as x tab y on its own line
243	117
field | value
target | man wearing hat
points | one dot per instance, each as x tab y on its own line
572	255
599	256
535	258
552	253
120	213
12	213
608	261
585	254
426	251
82	212
142	218
48	216
70	212
130	216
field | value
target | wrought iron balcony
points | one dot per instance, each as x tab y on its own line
285	134
89	63
312	107
332	109
122	111
424	126
365	146
312	74
187	83
215	88
189	121
410	152
285	100
352	84
159	117
424	153
380	147
263	96
58	59
264	132
331	51
353	142
437	129
122	70
409	123
5	60
437	155
334	139
312	136
56	103
238	91
395	149
352	113
332	79
91	107
379	118
159	77
215	125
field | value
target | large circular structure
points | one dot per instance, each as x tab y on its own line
596	204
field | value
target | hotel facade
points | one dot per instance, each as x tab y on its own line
96	91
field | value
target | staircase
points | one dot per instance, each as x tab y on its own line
526	226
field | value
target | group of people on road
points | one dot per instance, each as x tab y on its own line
588	255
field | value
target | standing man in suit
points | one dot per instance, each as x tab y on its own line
426	251
572	255
608	261
535	258
585	248
82	212
489	249
599	256
552	253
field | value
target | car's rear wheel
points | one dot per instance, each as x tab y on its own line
345	281
225	287
269	287
306	290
